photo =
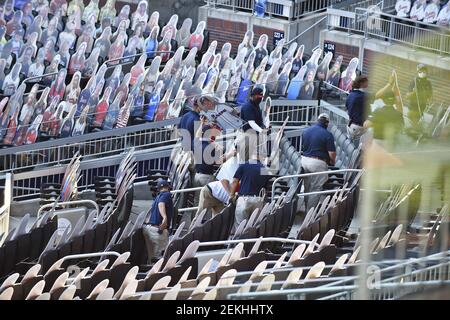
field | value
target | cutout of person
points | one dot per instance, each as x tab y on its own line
25	59
260	69
289	55
86	37
68	35
139	34
307	90
184	34
171	26
235	83
153	102
402	8
56	5
94	99
113	113
261	49
418	10
225	53
78	59
68	122
32	132
52	68
176	105
151	43
349	75
114	81
313	63
297	62
12	80
431	12
324	67
91	10
109	10
43	11
27	109
35	27
2	71
137	110
124	87
8	10
56	120
177	60
12	128
64	54
277	53
13	46
104	43
296	84
273	75
3	40
2	19
190	59
74	87
75	3
249	66
444	16
247	42
122	30
124	113
102	108
31	43
58	87
240	59
225	72
197	38
116	50
140	15
131	49
51	31
153	21
221	91
123	15
15	24
91	64
138	69
41	104
74	18
164	47
166	75
48	113
283	79
85	96
80	124
27	17
163	107
334	75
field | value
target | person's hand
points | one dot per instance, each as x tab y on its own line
163	225
203	120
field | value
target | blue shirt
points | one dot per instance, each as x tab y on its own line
251	112
317	142
253	177
206	159
187	122
355	104
155	217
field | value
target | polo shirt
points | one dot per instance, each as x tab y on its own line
204	154
355	104
317	142
251	112
155	217
253	176
187	122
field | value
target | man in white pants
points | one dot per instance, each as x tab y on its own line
319	151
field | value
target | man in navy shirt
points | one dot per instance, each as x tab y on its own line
187	124
157	222
250	178
356	108
319	151
251	113
205	155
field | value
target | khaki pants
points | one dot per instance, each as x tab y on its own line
355	132
314	183
201	180
154	241
207	201
245	207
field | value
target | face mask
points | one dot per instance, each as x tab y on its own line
422	75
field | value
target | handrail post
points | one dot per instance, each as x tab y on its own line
391	30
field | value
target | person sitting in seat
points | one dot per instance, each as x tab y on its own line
319	151
156	224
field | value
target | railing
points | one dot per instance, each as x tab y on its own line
100	144
6	208
300	112
275	8
392	29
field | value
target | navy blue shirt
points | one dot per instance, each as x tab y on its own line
251	112
253	177
356	104
155	217
317	142
206	159
187	122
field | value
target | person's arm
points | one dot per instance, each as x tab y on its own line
255	127
162	212
226	185
332	156
234	187
380	93
331	147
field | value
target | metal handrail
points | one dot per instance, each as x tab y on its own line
306	30
304	175
76	202
5	210
253	240
90	255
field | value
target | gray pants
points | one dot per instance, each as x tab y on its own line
314	183
355	132
154	241
245	207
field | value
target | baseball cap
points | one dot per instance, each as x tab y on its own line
257	91
163	183
324	116
422	67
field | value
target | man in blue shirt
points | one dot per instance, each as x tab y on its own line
356	108
250	178
157	222
187	124
251	113
319	151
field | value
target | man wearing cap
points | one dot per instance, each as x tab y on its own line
187	124
420	94
251	113
319	151
157	222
